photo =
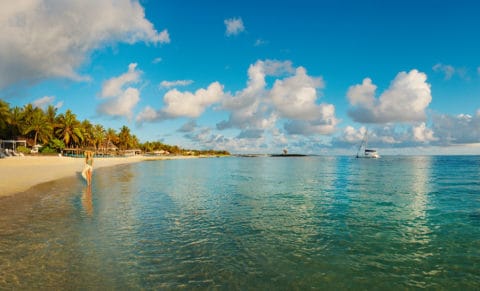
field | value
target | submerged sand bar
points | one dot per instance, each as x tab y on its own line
18	174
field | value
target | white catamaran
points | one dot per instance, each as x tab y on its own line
364	152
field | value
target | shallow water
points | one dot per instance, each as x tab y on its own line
250	223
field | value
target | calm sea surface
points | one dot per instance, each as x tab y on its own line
250	223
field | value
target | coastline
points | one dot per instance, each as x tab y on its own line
18	174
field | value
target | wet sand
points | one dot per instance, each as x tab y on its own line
18	174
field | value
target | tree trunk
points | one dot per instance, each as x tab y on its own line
35	139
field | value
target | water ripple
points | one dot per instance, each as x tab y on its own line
314	222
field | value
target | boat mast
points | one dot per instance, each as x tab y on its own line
366	139
360	147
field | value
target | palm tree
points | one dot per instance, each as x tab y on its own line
4	117
39	124
111	136
69	128
98	135
134	142
124	138
15	122
51	114
87	133
27	113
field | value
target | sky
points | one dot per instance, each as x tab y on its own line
253	77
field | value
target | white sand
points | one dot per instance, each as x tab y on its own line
18	174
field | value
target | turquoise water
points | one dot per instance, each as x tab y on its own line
250	223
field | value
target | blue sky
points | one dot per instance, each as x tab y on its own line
244	76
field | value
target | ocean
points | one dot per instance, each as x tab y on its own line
237	223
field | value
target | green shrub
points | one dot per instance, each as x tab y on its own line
23	150
56	144
48	150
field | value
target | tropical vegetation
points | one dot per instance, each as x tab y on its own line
58	132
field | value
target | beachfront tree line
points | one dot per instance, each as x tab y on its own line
57	132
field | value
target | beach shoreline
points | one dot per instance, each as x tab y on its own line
19	174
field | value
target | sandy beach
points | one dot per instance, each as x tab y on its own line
18	174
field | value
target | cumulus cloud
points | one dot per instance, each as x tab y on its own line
148	114
121	101
390	135
352	136
113	87
445	130
187	104
457	129
249	107
177	83
209	139
234	26
422	133
404	101
121	105
293	98
323	122
257	111
42	39
184	104
45	101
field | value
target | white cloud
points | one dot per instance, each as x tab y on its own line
295	97
41	39
256	110
423	134
156	60
385	136
353	136
121	101
404	101
121	105
187	104
113	87
234	26
177	83
184	104
445	131
459	129
249	107
324	122
45	101
447	70
208	139
147	114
